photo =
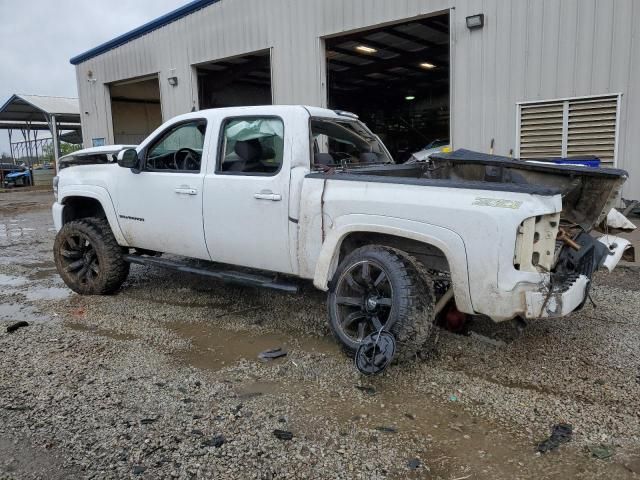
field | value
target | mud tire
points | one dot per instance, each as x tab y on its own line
101	245
411	316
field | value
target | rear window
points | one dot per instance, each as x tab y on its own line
337	142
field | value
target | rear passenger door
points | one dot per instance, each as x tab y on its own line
246	196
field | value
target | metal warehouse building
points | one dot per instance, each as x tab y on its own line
529	78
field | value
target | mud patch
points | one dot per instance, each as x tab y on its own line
80	327
214	347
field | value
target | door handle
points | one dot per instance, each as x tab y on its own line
186	191
264	195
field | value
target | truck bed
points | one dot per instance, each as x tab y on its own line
587	193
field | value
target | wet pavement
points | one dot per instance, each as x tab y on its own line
471	410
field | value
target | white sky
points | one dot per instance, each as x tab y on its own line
38	37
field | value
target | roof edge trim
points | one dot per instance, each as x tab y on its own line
143	30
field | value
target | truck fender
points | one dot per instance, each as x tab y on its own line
101	195
448	241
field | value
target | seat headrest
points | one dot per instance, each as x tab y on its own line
323	159
249	150
368	157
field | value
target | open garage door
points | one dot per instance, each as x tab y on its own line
237	81
396	79
135	109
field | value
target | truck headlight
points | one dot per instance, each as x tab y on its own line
536	243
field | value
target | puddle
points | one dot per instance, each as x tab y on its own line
16	312
12	281
46	293
214	347
80	327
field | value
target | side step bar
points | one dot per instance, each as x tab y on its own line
229	276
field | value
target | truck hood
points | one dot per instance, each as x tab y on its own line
587	193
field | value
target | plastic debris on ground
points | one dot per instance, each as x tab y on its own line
13	327
601	451
272	354
560	433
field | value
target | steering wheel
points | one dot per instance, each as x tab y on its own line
190	155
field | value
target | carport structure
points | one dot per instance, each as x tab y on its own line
31	114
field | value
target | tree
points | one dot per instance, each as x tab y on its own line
65	149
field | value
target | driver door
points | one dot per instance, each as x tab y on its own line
160	207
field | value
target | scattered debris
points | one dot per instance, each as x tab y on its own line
414	463
283	434
147	421
216	441
410	416
12	328
560	433
17	408
618	222
138	469
387	429
600	451
487	340
453	398
366	389
375	353
272	354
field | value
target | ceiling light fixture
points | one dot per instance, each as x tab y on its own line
365	49
409	97
427	65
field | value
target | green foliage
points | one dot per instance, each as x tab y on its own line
65	149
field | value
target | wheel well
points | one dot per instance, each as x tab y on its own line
431	257
81	207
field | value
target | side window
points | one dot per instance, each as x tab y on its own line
179	149
338	142
251	146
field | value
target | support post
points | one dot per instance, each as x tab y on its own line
56	142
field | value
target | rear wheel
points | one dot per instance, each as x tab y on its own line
88	257
378	287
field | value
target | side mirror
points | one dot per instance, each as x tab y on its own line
128	158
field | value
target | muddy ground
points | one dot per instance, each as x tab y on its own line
162	380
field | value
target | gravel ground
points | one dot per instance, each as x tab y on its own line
162	381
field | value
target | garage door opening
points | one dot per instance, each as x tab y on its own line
235	82
397	80
135	109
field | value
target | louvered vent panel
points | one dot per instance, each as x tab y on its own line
541	130
592	128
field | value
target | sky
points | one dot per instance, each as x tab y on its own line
38	37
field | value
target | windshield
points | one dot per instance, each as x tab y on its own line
345	142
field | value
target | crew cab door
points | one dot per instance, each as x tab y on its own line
246	195
160	207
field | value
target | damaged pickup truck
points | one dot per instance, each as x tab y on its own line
267	195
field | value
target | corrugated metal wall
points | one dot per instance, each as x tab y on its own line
527	50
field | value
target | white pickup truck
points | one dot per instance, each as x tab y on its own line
264	195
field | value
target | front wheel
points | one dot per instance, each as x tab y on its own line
378	287
88	257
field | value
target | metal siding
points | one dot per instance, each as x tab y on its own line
527	50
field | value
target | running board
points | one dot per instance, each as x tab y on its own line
229	276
